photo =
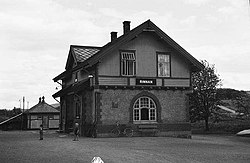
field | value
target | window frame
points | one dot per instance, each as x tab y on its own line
122	63
149	104
157	63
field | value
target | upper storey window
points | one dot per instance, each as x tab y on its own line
163	64
128	62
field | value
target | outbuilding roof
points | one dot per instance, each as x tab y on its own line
42	107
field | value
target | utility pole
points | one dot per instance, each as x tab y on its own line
23	103
20	104
23	113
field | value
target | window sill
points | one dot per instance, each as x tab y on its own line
145	122
128	76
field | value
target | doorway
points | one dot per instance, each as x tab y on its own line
45	122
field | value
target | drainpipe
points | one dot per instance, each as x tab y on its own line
60	119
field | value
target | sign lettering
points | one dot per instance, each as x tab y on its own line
145	81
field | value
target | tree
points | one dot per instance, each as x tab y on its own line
242	103
203	99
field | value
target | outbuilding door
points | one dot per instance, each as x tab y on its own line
45	122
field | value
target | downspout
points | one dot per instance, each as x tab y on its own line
60	119
96	87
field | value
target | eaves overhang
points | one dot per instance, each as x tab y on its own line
73	88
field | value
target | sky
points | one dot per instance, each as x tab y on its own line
35	36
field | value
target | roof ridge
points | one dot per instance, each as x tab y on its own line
82	46
38	106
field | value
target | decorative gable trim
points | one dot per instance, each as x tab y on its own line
147	26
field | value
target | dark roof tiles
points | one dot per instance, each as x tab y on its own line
83	53
43	107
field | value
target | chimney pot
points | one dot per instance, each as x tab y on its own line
43	99
126	27
113	36
40	99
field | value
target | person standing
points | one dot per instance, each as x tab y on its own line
41	132
76	132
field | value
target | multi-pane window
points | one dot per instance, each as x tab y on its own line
163	65
144	109
152	115
136	114
128	62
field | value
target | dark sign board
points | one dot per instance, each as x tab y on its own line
144	81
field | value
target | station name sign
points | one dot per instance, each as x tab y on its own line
143	81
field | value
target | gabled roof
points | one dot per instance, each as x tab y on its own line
147	26
79	54
43	107
83	53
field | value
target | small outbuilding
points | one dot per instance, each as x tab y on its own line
43	113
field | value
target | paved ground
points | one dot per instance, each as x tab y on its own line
24	146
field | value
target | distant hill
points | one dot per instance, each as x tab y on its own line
234	99
56	105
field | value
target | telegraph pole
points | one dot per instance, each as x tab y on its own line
20	104
23	113
23	103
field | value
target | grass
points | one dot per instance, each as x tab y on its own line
229	126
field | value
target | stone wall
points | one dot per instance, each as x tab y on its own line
115	105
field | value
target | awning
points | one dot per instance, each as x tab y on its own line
73	88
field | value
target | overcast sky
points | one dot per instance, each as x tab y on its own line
35	36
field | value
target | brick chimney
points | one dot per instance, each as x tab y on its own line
126	27
113	36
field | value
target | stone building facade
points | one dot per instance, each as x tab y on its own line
141	80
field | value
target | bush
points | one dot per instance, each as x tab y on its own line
231	126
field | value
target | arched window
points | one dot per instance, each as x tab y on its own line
144	109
